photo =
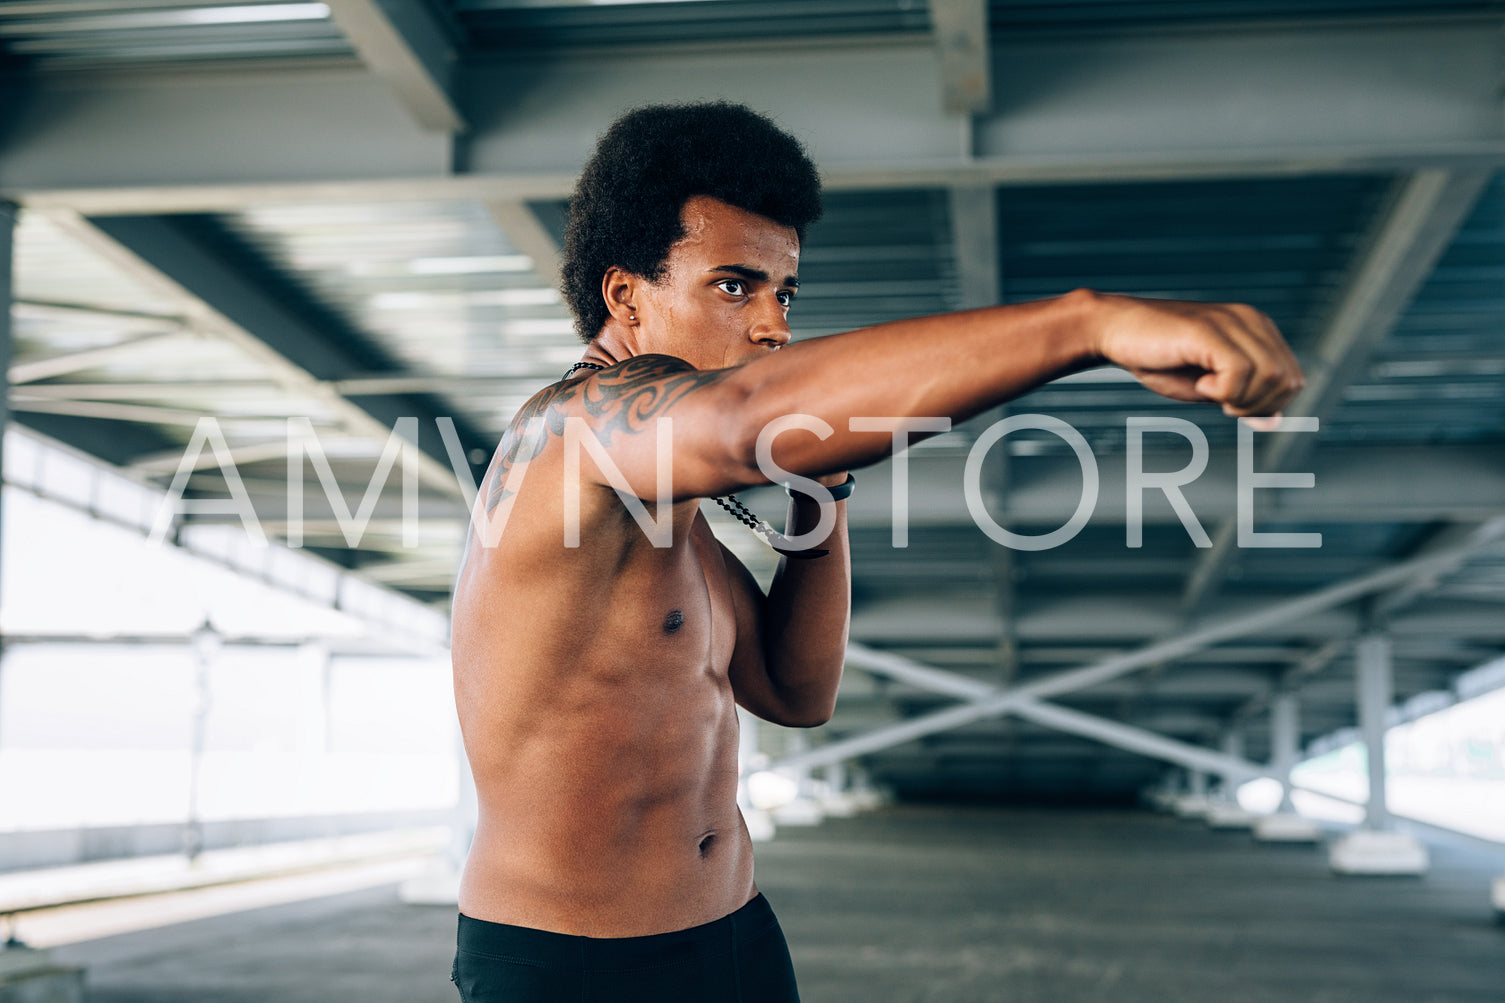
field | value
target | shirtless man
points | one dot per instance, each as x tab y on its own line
597	684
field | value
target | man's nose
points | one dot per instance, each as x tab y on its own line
772	329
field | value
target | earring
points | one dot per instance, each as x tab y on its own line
633	317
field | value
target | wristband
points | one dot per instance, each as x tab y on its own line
839	492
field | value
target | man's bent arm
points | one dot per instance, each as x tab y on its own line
791	643
807	615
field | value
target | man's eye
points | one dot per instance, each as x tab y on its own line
724	283
786	297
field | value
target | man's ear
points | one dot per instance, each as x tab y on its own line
620	289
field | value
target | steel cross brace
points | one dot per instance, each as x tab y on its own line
982	700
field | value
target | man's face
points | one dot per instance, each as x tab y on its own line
725	294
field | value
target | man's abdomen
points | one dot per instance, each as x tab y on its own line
612	813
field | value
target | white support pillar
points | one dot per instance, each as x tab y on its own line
1233	745
439	883
1285	741
1374	688
837	800
1193	804
8	213
805	809
1163	793
1285	826
759	823
206	648
864	794
1376	848
467	808
1223	812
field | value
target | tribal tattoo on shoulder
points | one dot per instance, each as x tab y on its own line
627	398
622	400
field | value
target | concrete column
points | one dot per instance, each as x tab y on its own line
837	800
1285	741
467	808
747	741
864	795
1193	803
1376	848
1285	826
760	827
1224	811
439	882
805	809
1233	745
206	648
1373	673
8	211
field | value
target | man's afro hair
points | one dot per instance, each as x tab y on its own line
626	207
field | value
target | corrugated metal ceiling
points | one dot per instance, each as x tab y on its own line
71	34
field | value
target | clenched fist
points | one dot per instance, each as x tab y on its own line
1223	353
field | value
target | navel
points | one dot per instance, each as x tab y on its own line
673	621
705	843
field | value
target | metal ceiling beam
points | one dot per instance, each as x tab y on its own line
974	243
166	390
1003	702
1387	605
528	235
88	358
301	354
404	43
1419	484
1325	100
961	43
1291	680
1423	216
109	410
1452	539
169	461
381	633
969	622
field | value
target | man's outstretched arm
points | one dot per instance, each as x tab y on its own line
949	365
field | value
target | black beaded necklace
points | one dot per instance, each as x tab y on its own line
579	365
738	511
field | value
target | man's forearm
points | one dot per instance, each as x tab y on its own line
807	614
952	365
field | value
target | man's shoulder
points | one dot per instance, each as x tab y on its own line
620	398
560	398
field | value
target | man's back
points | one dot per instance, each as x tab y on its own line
598	715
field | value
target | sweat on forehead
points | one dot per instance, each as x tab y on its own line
706	221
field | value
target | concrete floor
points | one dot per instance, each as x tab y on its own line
919	903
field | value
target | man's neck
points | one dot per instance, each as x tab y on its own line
610	347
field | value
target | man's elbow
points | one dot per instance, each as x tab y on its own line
808	716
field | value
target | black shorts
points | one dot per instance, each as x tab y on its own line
739	957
